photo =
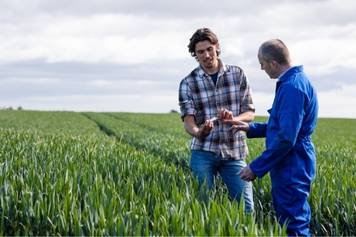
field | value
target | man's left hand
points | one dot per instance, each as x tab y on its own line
224	114
247	174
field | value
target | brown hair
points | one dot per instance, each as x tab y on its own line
202	34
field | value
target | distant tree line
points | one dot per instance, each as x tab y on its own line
11	108
173	111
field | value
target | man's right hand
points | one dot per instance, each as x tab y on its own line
205	129
195	131
240	126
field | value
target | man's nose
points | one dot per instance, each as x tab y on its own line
206	54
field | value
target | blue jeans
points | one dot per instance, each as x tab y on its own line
206	165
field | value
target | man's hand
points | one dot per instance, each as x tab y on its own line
225	114
240	126
195	131
205	129
247	174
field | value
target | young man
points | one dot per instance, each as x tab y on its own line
206	94
289	155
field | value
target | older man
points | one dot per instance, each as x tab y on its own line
289	156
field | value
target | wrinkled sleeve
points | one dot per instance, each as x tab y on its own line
290	116
245	95
257	130
186	103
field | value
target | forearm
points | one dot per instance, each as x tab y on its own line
192	129
245	117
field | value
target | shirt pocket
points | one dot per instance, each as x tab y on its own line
204	104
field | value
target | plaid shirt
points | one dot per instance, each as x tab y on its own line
198	96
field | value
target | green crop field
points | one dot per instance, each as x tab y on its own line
67	173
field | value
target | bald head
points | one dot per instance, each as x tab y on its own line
276	50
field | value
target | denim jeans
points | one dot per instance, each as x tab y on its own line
206	165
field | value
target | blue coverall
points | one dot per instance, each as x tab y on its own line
289	156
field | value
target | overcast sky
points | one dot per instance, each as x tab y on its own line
116	55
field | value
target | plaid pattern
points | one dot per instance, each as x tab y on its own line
199	96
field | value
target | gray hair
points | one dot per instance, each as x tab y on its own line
275	50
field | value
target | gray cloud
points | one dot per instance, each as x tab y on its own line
325	82
90	49
168	9
334	80
38	77
159	8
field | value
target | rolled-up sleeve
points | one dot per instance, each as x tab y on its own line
186	103
246	95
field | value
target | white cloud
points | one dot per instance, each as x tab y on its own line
338	103
122	39
263	102
328	50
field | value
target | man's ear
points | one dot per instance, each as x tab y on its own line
274	63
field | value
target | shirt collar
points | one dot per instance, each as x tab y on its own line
222	69
289	71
